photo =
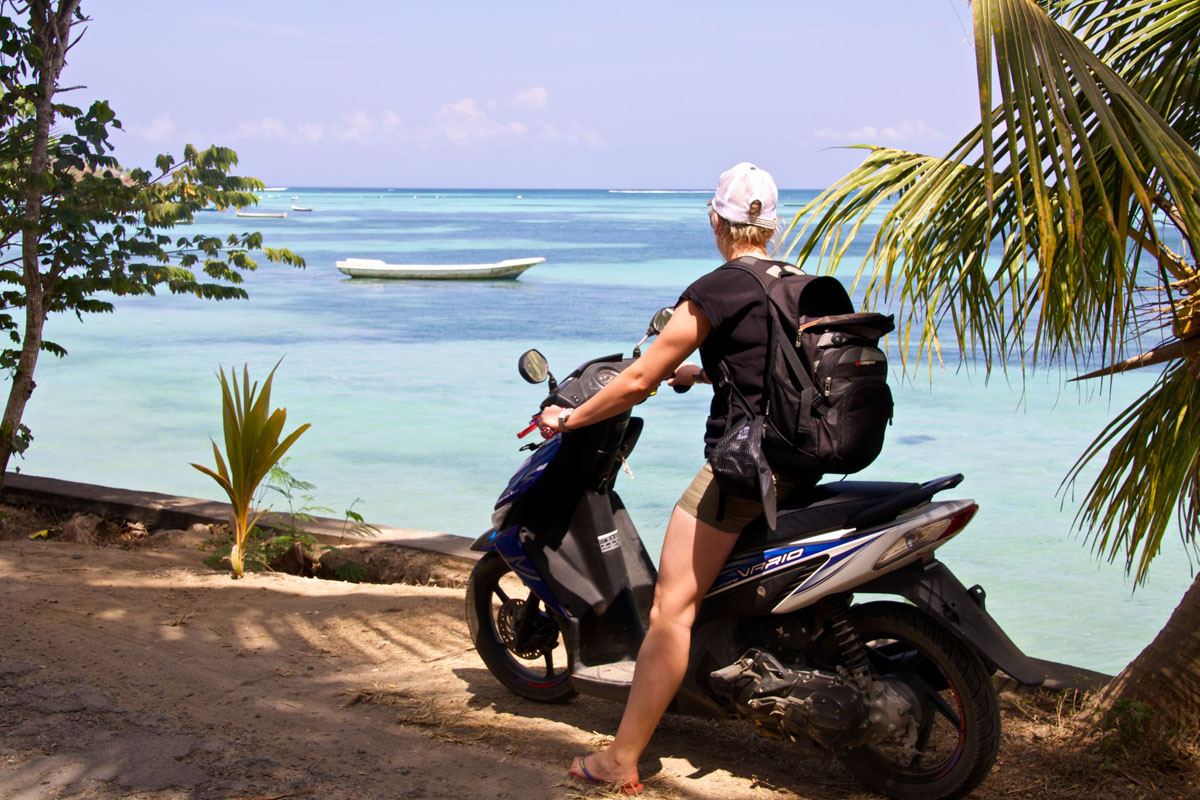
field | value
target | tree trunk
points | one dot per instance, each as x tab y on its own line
52	34
1166	675
22	385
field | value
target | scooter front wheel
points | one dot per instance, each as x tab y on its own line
525	653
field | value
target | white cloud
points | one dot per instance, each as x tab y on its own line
909	130
310	132
468	121
160	129
267	128
358	128
536	97
392	121
464	122
573	134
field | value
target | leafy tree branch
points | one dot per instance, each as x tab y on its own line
84	225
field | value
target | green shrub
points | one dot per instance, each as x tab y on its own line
266	544
252	448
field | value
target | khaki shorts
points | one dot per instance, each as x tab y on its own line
725	511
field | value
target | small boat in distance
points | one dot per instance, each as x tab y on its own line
375	268
263	214
300	208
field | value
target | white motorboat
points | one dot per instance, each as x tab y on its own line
262	214
300	208
375	268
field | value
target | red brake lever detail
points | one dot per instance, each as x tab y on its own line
532	426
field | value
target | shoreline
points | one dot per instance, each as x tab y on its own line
164	510
175	511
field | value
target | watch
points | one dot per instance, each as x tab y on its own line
563	416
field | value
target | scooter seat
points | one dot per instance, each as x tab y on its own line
841	504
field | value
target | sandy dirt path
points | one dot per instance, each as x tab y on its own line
143	673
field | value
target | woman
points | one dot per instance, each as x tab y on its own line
724	315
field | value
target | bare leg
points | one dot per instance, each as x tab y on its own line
692	556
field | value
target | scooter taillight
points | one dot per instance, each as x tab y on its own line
926	536
959	521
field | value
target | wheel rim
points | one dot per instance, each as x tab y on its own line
935	739
540	660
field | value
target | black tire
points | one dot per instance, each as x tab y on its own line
496	601
957	719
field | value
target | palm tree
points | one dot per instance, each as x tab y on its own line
1063	229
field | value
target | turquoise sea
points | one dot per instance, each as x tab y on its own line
414	398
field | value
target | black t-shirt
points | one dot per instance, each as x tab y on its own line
734	305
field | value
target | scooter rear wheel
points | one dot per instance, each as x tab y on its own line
534	665
954	733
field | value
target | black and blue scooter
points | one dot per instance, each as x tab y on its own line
900	691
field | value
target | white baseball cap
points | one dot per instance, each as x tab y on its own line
740	186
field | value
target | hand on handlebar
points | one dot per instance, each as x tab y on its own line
685	376
547	421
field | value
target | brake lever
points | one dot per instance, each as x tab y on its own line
531	445
534	424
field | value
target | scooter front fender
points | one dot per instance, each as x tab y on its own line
507	544
935	590
486	543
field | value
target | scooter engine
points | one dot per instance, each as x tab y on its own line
821	705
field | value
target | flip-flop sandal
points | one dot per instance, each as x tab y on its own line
630	788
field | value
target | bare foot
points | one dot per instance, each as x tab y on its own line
594	772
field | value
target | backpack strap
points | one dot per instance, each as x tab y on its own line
811	397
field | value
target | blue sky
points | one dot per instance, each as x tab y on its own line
530	94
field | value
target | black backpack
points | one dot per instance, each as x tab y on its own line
826	402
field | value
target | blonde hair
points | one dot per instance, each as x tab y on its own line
745	233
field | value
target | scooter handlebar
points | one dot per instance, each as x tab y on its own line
533	424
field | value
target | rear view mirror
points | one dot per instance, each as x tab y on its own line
660	320
533	366
657	323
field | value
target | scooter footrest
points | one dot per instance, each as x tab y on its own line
610	681
616	672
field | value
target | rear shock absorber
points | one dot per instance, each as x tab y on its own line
836	609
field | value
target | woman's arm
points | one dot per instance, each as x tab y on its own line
685	331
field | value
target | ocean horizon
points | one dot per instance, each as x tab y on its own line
412	391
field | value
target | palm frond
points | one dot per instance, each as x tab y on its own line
1063	228
1069	167
1151	474
1172	351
